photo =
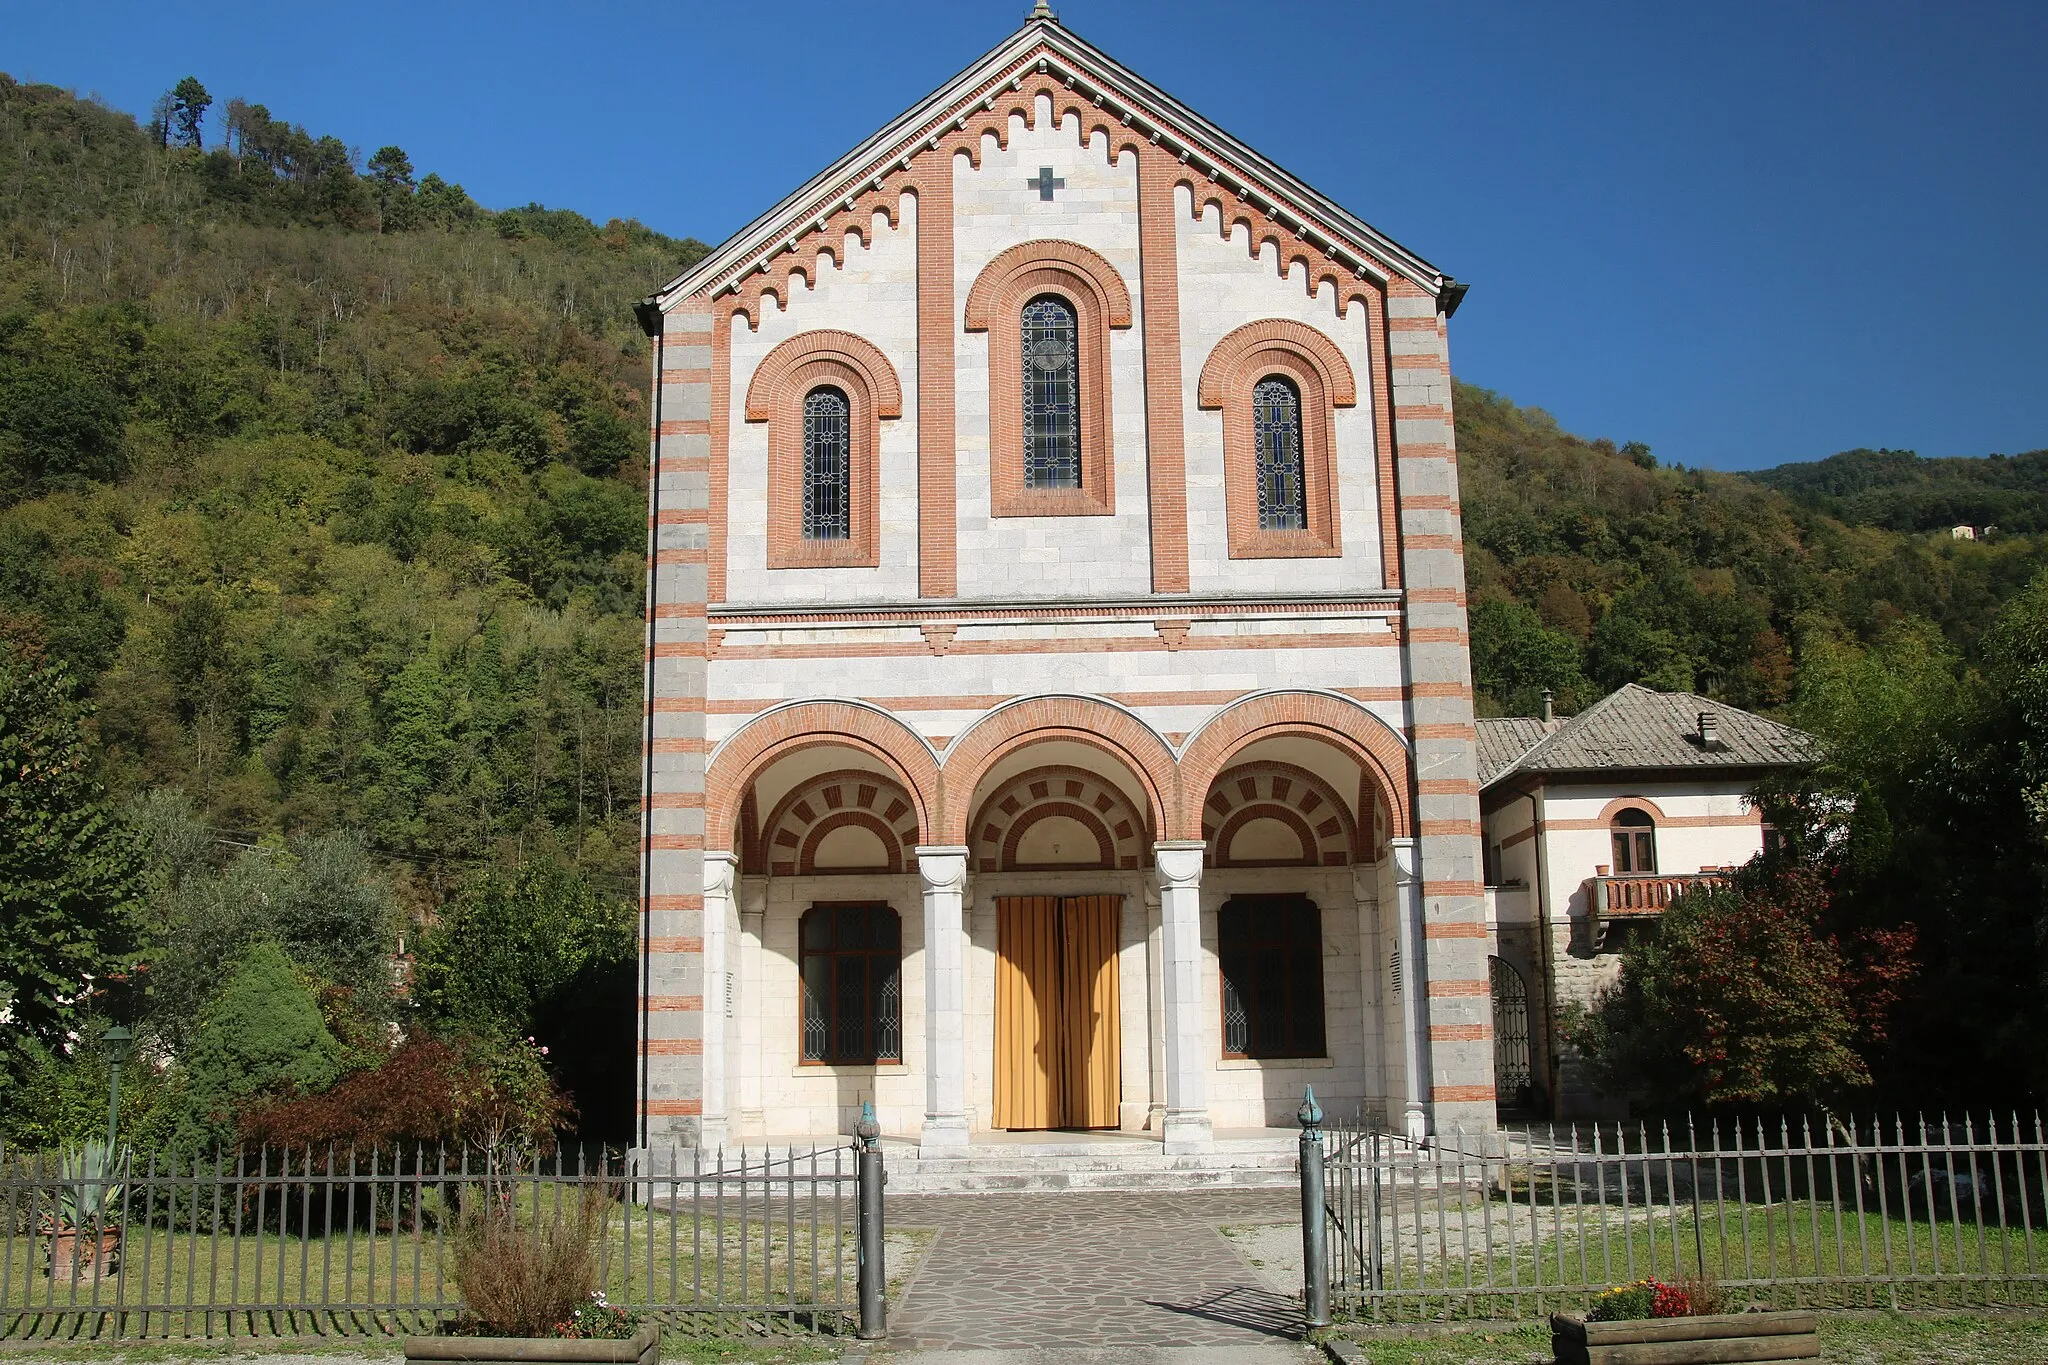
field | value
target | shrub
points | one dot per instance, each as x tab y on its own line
1643	1299
260	1039
529	1279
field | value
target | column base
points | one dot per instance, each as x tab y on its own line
943	1135
1188	1132
1417	1124
713	1133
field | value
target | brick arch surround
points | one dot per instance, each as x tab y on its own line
1005	815
1336	721
777	733
1112	730
1294	796
819	805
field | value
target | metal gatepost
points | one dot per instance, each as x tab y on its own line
1315	1240
874	1307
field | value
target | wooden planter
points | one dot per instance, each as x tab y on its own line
1727	1337
642	1348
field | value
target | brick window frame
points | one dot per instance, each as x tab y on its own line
775	395
1323	377
995	305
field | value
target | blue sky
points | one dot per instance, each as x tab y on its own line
1744	233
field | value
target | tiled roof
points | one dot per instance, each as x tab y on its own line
1637	728
1502	740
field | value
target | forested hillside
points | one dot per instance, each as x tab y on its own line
321	556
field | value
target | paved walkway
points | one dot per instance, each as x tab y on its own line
1098	1270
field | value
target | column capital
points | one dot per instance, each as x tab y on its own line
1178	862
943	867
1407	856
721	869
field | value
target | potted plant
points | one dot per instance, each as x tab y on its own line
1651	1320
85	1228
530	1286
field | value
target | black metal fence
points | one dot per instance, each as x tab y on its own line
293	1243
1830	1212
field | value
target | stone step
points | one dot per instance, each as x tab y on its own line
1022	1181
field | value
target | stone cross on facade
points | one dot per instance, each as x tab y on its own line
1045	182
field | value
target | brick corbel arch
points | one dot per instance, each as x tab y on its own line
1622	803
1106	728
1337	721
775	395
1322	376
774	734
1101	301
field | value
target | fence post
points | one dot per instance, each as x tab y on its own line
1315	1236
874	1308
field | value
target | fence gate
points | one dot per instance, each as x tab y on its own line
1510	1034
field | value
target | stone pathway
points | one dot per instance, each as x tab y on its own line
1118	1272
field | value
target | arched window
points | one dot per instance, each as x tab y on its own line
852	972
1276	427
1635	841
1052	394
828	465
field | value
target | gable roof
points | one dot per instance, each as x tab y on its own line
1503	740
1043	48
1637	728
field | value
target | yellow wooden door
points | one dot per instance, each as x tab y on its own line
1058	1042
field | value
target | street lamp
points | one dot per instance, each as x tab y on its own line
115	1043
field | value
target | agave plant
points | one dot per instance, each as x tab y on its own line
90	1197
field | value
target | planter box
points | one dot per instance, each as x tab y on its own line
1727	1337
642	1348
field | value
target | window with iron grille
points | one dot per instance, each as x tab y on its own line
1271	951
1052	394
1635	842
852	972
828	465
1276	424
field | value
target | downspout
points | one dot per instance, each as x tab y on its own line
649	315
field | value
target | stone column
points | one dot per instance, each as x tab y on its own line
943	869
720	872
1408	938
750	1117
1179	862
1372	1018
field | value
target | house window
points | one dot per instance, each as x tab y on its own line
852	971
1635	842
828	465
1276	425
1052	394
1271	949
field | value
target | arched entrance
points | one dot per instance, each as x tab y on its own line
1510	1034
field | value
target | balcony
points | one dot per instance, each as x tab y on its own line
1644	895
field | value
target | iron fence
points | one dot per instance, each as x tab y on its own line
296	1243
1827	1212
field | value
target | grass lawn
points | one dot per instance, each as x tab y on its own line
1873	1339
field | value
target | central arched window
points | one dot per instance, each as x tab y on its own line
1052	394
828	465
1635	842
852	974
1276	427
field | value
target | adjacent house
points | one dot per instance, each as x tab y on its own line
1591	825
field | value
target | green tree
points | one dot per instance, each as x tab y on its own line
1516	658
261	1039
68	872
189	103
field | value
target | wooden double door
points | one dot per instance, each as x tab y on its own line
1058	1035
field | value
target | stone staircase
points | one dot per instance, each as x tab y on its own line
1056	1162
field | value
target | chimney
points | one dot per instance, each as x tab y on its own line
1549	714
1710	731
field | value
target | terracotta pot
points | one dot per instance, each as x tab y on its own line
84	1257
642	1348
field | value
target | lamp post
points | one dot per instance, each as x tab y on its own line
115	1043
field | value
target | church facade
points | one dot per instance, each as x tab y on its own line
1059	704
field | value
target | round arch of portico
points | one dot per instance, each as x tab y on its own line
1326	716
746	753
1101	725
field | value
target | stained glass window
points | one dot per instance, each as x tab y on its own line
1052	394
852	975
1271	952
1276	423
828	465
